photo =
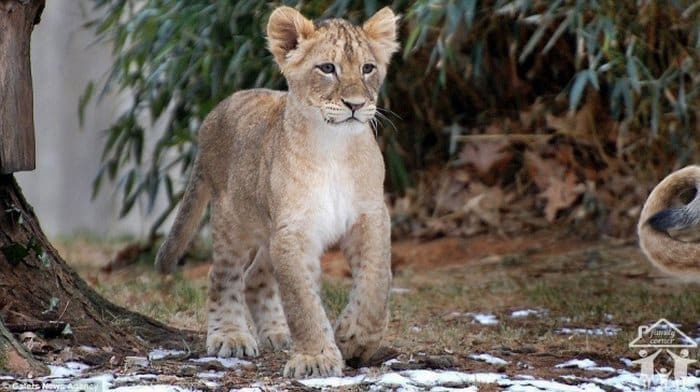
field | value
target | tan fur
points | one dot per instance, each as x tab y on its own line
287	176
677	258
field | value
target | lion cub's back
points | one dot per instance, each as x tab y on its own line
240	124
242	113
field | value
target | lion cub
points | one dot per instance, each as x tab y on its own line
287	175
662	227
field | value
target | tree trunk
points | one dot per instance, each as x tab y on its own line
38	288
17	19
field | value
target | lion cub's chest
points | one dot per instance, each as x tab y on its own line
332	204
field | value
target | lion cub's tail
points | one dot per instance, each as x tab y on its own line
195	199
673	256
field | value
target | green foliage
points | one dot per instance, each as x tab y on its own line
16	252
463	62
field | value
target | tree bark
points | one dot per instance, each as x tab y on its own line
17	20
37	287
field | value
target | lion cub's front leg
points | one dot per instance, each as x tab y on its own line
361	325
315	353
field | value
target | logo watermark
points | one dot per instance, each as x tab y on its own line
663	338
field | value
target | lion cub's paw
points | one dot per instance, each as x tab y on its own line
231	343
275	340
328	363
354	341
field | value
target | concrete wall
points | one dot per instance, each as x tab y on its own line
64	60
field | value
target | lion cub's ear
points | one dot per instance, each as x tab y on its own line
285	29
381	30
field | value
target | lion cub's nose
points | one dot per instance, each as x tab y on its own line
354	104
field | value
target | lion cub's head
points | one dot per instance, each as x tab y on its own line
333	68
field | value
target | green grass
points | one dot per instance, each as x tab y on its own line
335	295
3	357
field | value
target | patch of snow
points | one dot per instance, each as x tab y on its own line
6	378
627	362
577	363
605	331
68	369
228	363
416	329
537	385
152	388
211	374
488	358
134	378
162	353
410	380
332	382
429	378
136	361
400	290
390	362
604	369
584	364
484	318
88	349
628	381
104	380
526	313
393	380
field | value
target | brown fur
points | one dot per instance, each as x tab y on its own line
677	258
288	174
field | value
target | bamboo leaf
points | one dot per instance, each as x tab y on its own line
83	101
577	89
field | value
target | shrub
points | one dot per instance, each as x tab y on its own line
463	64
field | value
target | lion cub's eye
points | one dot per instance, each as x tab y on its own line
326	68
368	68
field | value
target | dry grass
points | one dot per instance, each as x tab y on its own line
591	286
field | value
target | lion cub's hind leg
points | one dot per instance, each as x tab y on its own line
227	326
263	298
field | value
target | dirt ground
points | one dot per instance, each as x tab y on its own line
533	302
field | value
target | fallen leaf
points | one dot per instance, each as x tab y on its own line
542	170
561	194
486	206
484	155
